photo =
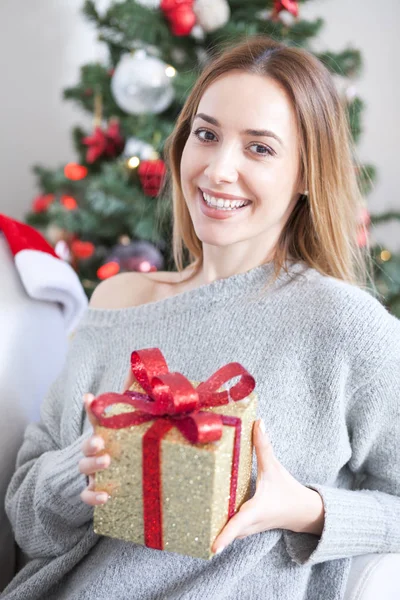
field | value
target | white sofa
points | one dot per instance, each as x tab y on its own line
33	346
374	577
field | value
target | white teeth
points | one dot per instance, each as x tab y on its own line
223	204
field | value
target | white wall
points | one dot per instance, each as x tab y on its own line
44	42
371	27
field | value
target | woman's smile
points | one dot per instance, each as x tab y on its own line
218	212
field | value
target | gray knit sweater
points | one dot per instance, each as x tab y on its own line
326	359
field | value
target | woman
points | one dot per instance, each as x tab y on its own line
275	283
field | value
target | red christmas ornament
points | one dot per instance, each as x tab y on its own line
180	14
151	174
183	21
69	202
108	270
168	6
289	5
75	172
107	143
82	249
41	203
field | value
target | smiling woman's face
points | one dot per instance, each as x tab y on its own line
222	157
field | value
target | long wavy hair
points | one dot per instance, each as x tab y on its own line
323	227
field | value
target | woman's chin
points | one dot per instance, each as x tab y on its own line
207	237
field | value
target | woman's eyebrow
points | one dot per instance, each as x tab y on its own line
256	132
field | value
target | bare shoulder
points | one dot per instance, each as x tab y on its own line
132	289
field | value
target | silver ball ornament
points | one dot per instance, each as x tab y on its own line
139	255
140	84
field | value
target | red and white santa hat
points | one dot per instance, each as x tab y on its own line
44	275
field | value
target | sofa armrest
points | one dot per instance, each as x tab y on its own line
374	576
33	347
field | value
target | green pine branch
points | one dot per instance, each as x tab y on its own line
95	78
347	63
385	216
239	25
355	109
50	180
126	22
90	12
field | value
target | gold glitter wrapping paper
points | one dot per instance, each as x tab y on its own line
195	481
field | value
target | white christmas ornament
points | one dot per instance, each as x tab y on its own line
351	92
198	32
211	14
135	147
142	84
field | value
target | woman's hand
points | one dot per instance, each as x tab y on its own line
96	460
93	460
280	501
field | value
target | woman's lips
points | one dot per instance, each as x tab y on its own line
214	213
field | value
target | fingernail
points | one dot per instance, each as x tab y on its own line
262	426
97	443
102	461
103	497
220	549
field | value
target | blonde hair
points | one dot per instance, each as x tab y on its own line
323	226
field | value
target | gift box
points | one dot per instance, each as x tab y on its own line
181	455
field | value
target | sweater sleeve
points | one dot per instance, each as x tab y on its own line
43	498
367	519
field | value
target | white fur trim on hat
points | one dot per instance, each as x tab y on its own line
48	278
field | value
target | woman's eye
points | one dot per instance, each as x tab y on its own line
265	150
199	131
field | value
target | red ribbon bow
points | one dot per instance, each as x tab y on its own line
171	400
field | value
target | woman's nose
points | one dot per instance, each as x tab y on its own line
221	168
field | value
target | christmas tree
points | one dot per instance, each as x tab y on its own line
106	212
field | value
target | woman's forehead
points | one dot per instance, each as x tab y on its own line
243	101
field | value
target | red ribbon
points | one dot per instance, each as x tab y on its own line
172	401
